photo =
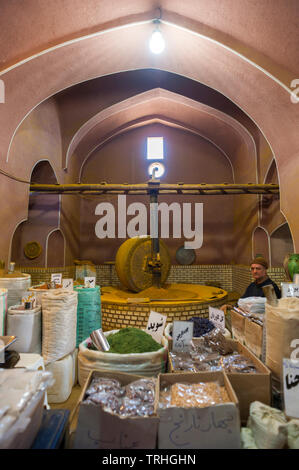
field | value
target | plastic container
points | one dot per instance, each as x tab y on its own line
26	325
89	316
17	284
62	371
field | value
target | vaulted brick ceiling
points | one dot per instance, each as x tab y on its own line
238	58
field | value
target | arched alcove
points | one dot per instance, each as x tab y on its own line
281	244
43	215
271	215
260	244
55	249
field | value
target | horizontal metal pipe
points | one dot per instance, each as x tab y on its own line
144	188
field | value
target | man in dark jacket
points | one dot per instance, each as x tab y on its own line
259	268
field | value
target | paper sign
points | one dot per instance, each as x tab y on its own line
182	334
289	289
89	281
155	325
57	278
217	317
68	284
213	427
291	387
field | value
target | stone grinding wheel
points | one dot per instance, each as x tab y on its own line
131	263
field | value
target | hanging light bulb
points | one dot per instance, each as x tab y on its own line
157	43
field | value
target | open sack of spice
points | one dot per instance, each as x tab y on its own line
132	350
213	352
134	399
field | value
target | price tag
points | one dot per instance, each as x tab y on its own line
291	387
57	278
289	289
68	284
89	281
217	317
182	334
155	325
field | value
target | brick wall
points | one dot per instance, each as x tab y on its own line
231	277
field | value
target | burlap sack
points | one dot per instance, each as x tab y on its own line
282	327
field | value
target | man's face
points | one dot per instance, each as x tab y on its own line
258	272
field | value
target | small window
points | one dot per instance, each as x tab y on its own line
155	148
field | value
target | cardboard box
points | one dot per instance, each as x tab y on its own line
238	326
248	386
254	337
212	427
98	429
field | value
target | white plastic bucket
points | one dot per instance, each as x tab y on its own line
16	288
26	325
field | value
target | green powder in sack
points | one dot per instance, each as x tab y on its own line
132	340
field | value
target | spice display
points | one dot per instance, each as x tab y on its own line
135	399
212	353
237	363
195	395
48	285
132	340
217	342
201	327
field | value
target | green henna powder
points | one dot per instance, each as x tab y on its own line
132	340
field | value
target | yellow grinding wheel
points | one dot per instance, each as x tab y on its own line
131	263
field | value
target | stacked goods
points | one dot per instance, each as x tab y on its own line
198	395
213	353
117	411
282	328
201	327
26	325
16	283
134	399
21	406
3	310
88	312
40	289
252	304
269	428
250	378
132	351
59	321
198	411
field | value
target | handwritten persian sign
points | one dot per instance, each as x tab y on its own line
182	334
90	282
289	289
216	316
155	325
291	387
68	284
57	278
213	427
